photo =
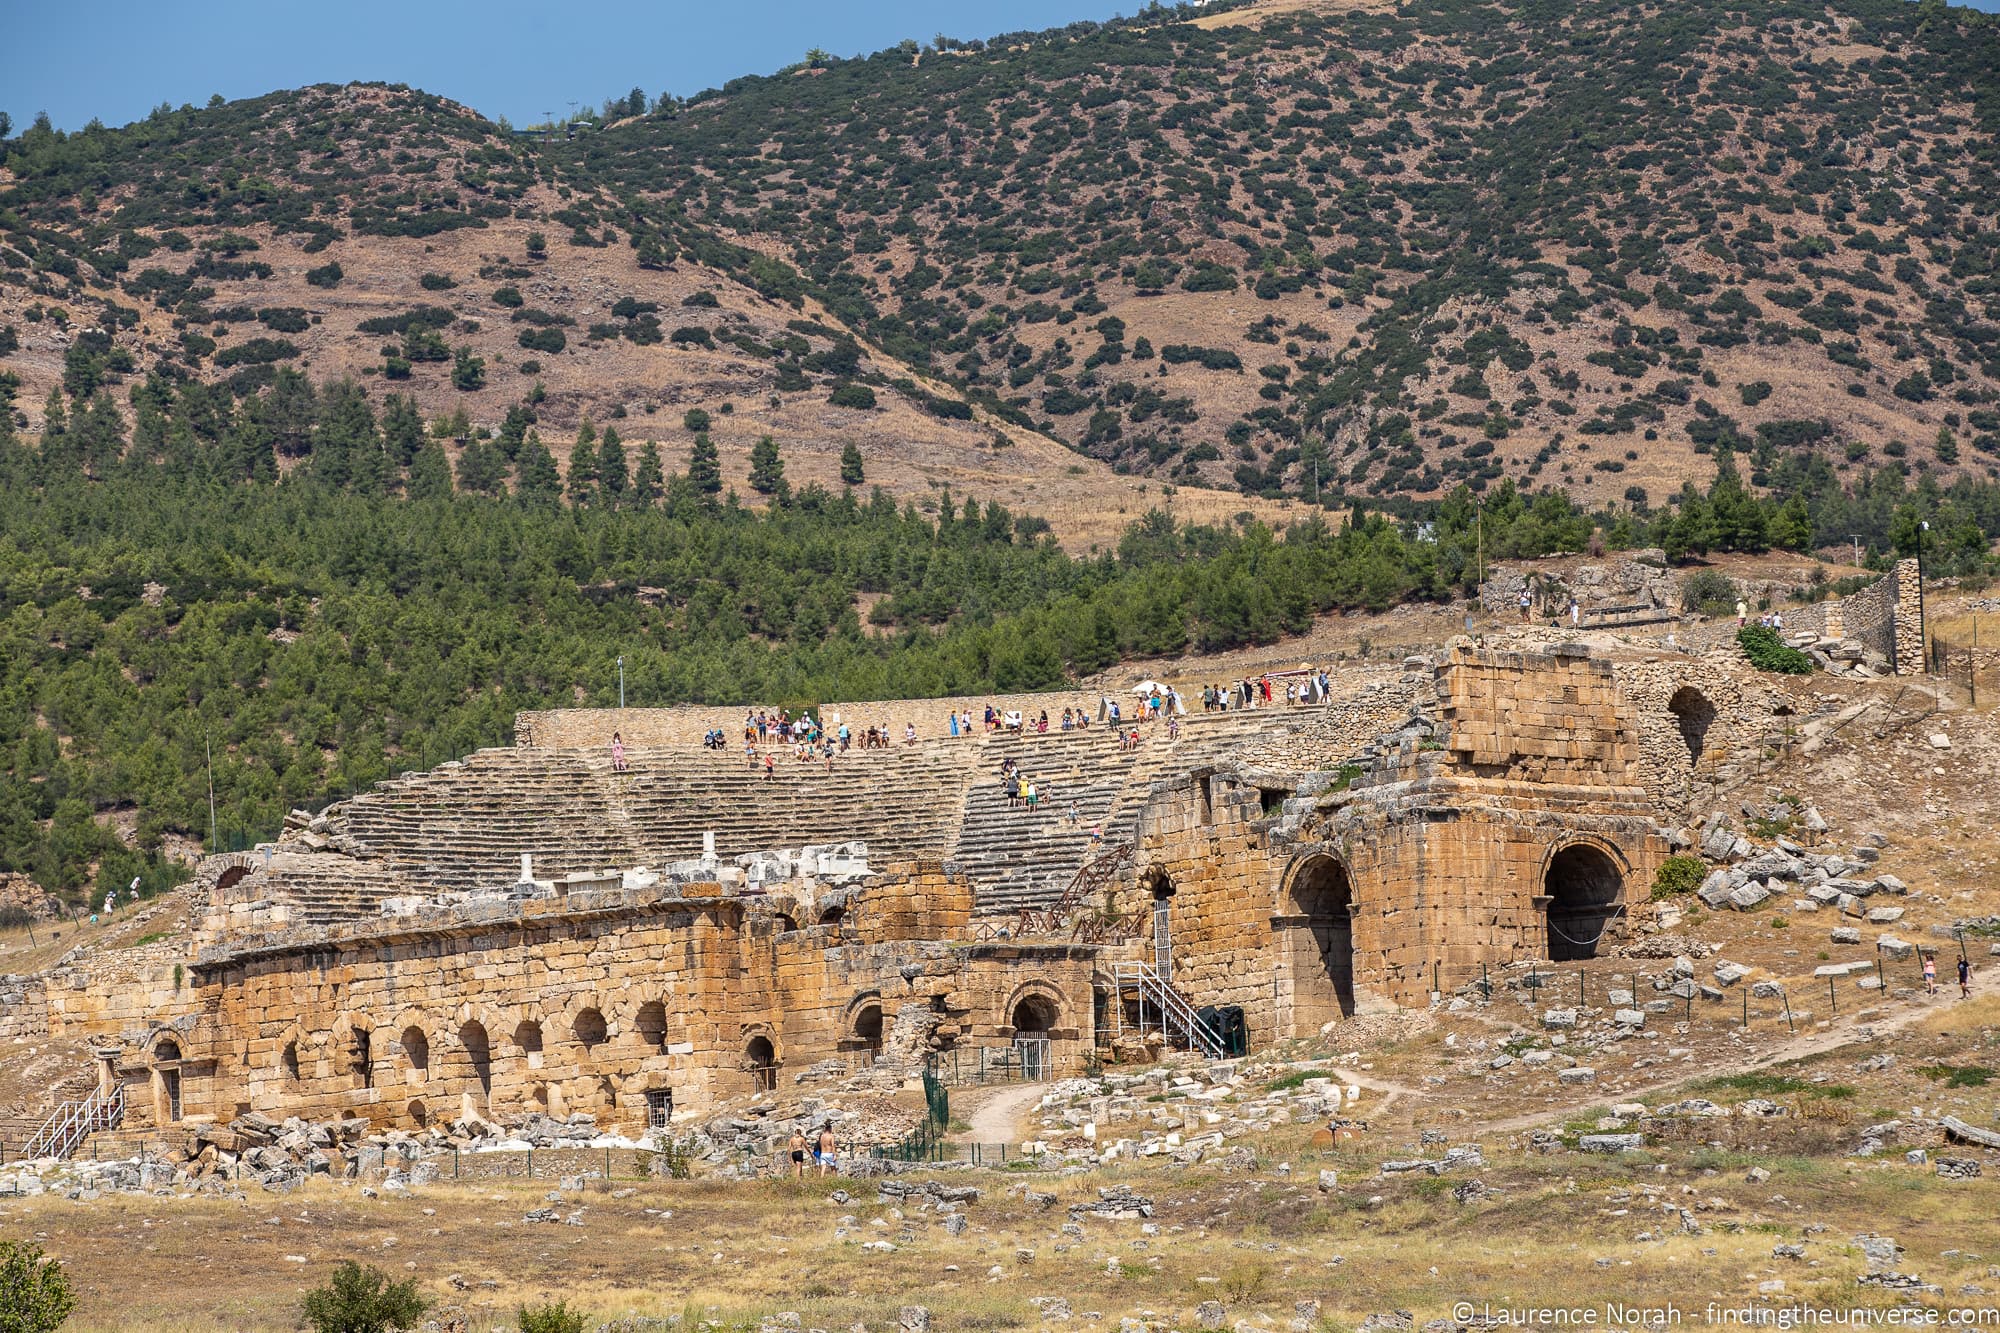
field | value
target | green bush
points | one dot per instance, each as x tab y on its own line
1709	591
555	1317
362	1300
35	1295
1679	875
1767	652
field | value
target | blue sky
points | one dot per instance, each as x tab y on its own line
117	59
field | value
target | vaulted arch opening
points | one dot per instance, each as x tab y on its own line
1586	891
478	1054
416	1052
1322	937
589	1029
651	1024
761	1058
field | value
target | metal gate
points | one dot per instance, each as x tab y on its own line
1163	935
1031	1055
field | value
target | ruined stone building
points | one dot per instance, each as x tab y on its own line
528	929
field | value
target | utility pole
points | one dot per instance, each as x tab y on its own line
621	682
1856	539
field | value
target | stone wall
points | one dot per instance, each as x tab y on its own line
1696	728
1885	617
596	1001
1505	821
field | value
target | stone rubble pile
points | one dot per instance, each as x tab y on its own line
274	1155
1184	1112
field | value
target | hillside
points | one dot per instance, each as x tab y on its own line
1294	248
397	238
1581	242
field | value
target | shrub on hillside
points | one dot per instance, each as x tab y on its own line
1679	875
362	1300
1767	652
1709	591
555	1317
35	1294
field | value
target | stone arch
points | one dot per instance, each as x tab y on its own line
293	1044
1317	922
475	1044
230	878
419	1113
784	923
1694	714
589	1028
1583	892
416	1050
650	1023
833	915
761	1059
866	1024
528	1040
166	1080
1035	1008
354	1049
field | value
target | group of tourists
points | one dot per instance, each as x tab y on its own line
1294	690
825	1151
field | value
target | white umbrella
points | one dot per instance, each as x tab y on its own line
1149	687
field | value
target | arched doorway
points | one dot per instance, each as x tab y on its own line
1322	944
1034	1018
1694	714
167	1059
1586	892
868	1032
589	1029
762	1059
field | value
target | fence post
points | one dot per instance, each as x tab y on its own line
1579	988
1832	1003
1786	997
531	1163
1746	1008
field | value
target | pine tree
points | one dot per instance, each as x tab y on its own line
850	465
247	452
704	466
99	434
1947	446
648	481
430	472
582	488
294	408
612	475
767	469
540	486
402	429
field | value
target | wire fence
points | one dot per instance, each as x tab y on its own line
1965	650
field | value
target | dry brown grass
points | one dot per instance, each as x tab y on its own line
736	1252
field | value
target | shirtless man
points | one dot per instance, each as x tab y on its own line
798	1151
828	1151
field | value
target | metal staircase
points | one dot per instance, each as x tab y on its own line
72	1122
1162	1009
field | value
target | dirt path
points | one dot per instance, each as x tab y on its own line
996	1119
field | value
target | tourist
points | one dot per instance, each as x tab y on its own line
1013	791
954	722
770	768
829	1151
1173	728
909	733
617	753
1930	974
1526	603
1067	724
1028	795
1575	613
798	1150
1075	812
1042	723
750	755
1742	613
1964	977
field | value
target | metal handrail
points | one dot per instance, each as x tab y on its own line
72	1122
1175	1011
